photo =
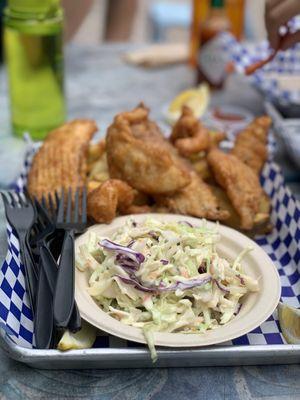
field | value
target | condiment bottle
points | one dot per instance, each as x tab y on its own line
235	12
200	10
211	60
34	58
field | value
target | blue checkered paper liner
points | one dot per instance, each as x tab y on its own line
282	245
267	79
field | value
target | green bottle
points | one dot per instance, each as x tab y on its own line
33	47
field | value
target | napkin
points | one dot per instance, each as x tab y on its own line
158	55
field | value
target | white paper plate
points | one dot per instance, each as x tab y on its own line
257	307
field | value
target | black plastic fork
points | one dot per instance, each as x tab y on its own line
43	229
72	219
21	215
74	324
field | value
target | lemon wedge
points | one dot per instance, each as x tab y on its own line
289	319
197	99
83	339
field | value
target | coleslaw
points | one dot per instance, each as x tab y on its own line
165	277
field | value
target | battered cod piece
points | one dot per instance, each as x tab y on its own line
196	200
188	135
240	183
61	162
111	196
138	154
251	144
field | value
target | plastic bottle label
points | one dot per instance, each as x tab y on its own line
212	60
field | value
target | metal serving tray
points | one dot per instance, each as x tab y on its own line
104	358
283	245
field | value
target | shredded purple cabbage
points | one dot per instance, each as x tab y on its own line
126	262
133	280
135	283
238	309
186	223
164	262
187	284
154	235
221	286
131	243
241	279
109	245
202	268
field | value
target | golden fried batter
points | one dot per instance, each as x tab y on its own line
138	154
95	151
141	126
252	152
262	218
61	162
196	199
251	144
98	170
240	183
111	196
260	128
215	138
189	136
202	169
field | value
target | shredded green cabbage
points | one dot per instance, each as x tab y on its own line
181	283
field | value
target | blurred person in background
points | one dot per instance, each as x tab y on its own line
120	16
277	14
117	17
118	20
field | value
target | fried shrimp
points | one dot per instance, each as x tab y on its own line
189	136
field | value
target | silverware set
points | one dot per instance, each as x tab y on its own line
46	230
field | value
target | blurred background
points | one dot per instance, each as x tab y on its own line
93	22
140	21
104	75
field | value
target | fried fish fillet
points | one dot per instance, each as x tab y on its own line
251	144
189	136
196	200
61	162
138	154
240	183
